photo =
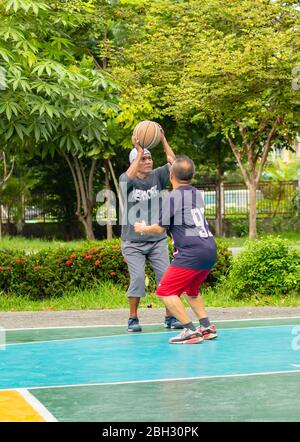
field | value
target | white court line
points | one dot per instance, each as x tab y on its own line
90	337
36	405
195	378
154	323
137	335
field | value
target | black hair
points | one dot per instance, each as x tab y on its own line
183	168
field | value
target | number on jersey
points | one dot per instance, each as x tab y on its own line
199	220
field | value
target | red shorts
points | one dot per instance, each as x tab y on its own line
178	280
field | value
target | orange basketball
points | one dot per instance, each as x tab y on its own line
148	133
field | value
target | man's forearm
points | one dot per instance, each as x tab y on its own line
154	229
168	150
133	168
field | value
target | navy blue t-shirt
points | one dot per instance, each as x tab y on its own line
183	214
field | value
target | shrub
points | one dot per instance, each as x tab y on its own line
265	267
238	227
52	272
222	265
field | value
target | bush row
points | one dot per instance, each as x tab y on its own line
265	267
52	272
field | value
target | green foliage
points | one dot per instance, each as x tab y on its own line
278	224
53	272
266	267
239	227
226	64
54	96
280	170
222	265
223	60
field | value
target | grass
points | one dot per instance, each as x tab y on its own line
107	295
293	237
35	244
217	298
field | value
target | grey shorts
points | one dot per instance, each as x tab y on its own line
135	254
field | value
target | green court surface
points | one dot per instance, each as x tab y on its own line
251	372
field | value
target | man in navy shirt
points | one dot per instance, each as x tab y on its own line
194	255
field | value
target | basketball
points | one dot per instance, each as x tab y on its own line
148	133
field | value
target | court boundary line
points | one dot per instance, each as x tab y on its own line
165	332
154	323
36	404
144	381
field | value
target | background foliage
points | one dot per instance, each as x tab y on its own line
52	272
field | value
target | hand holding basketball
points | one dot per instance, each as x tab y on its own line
136	143
161	131
148	133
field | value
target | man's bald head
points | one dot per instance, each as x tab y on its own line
183	169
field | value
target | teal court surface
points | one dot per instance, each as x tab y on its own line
251	372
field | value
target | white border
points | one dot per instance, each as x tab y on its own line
36	405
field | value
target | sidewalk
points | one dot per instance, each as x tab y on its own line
76	318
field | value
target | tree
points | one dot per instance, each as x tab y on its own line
226	61
54	99
4	177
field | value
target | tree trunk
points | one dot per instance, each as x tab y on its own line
252	187
0	221
88	226
3	180
116	185
219	200
83	181
247	158
108	202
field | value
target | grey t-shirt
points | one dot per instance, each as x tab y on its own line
141	200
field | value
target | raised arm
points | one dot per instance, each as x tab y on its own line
171	157
134	166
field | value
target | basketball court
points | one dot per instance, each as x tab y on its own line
251	372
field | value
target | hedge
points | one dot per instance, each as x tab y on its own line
265	267
53	272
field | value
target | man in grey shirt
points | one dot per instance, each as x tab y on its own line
141	189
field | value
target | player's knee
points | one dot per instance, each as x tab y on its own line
138	284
